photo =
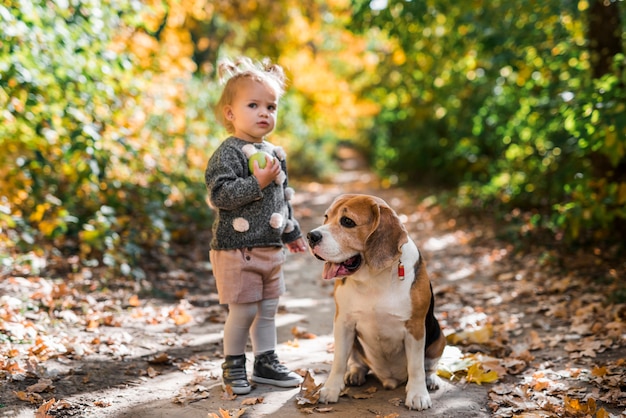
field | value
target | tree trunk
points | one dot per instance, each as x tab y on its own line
604	34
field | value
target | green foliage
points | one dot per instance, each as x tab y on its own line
498	101
103	150
73	174
106	124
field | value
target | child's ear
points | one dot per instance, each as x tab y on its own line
228	113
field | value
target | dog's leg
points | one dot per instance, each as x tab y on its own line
417	396
431	361
344	334
357	368
435	344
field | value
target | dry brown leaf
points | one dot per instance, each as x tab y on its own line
43	385
228	394
302	334
179	315
599	371
323	410
134	301
396	401
536	342
252	401
29	397
159	358
42	411
152	372
224	413
309	392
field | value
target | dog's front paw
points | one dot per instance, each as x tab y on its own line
417	398
330	393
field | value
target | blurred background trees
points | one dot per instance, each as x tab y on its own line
107	124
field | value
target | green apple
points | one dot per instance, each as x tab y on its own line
260	158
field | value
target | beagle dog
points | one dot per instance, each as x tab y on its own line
384	320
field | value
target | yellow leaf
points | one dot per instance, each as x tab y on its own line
480	335
38	213
477	374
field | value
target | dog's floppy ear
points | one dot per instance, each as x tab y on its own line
384	243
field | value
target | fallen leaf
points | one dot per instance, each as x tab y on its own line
43	385
477	374
29	397
228	394
159	358
302	333
309	392
134	301
252	401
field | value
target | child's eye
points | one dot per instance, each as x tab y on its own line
271	107
252	105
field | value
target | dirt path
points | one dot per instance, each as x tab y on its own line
539	328
307	306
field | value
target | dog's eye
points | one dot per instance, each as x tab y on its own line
347	222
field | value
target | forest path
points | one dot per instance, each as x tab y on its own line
541	325
309	307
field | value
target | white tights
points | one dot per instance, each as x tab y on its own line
256	319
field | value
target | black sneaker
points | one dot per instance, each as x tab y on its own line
234	375
267	369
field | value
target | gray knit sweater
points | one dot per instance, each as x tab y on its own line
245	215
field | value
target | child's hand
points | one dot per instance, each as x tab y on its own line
265	176
297	246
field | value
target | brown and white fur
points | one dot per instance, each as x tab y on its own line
383	323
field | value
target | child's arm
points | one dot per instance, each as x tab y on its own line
228	184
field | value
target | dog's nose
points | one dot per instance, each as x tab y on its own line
314	238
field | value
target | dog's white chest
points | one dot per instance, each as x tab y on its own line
378	311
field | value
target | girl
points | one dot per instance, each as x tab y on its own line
253	220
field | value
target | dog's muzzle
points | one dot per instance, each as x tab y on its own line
314	238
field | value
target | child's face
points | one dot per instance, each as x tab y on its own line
253	111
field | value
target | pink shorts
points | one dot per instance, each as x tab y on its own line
248	275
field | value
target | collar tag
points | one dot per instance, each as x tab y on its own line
400	270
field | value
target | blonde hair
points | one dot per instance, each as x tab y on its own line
231	73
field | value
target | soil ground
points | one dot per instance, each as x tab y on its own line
160	371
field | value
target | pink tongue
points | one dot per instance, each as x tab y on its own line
331	270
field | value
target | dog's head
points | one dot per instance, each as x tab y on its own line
358	230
